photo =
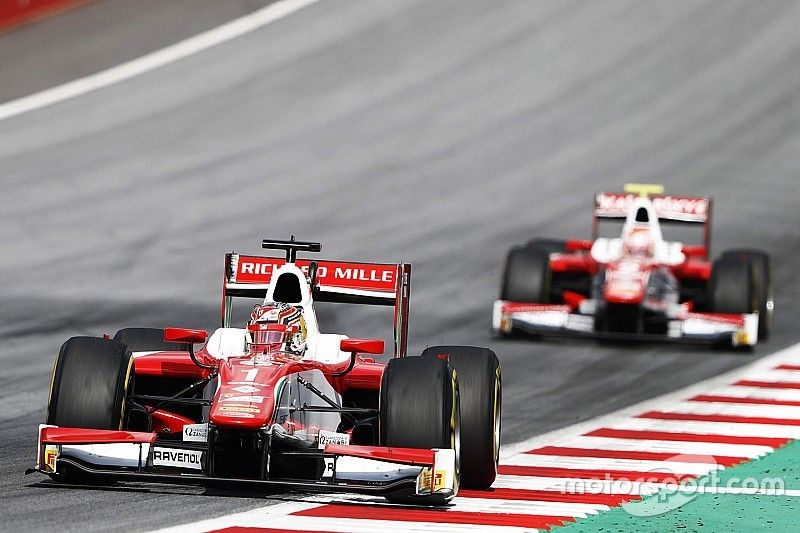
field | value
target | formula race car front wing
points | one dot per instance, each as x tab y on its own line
551	319
424	477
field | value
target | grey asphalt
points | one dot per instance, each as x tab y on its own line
439	133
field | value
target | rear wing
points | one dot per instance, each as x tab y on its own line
332	281
669	208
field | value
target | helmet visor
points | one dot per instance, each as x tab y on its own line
270	336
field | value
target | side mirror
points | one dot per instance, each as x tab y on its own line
185	335
694	250
373	346
356	346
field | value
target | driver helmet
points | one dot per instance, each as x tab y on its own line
638	243
277	328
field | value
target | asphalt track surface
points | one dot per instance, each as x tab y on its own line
438	133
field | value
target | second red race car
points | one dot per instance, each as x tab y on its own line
277	403
638	285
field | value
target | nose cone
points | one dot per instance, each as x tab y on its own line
243	407
246	395
626	284
624	292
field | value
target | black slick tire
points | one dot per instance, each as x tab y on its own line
419	408
89	388
527	276
480	389
761	264
90	383
731	288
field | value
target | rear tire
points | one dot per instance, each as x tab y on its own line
548	246
527	276
419	408
148	340
480	389
761	264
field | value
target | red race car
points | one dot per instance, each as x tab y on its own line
638	285
278	403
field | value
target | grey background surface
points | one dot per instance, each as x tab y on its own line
439	133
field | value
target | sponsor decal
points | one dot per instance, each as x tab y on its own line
331	437
239	409
260	360
515	307
246	389
195	433
253	399
50	454
687	208
425	481
440	480
369	276
232	414
177	458
329	467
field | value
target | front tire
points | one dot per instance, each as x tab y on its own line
419	407
761	263
90	383
731	288
89	389
480	388
527	276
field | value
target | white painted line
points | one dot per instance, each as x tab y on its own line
773	375
154	60
563	485
263	518
255	518
734	409
733	429
567	510
480	505
741	391
666	446
488	505
360	525
599	463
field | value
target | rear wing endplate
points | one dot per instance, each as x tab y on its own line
332	281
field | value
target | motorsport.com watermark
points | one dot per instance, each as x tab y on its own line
662	491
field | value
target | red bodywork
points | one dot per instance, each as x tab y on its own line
627	278
241	373
578	261
245	396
